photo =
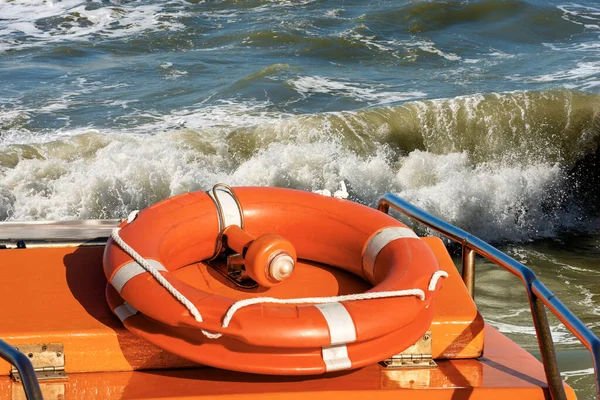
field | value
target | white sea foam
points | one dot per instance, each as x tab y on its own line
587	16
334	13
120	174
170	72
524	256
290	3
581	71
393	47
500	54
558	332
579	372
494	201
585	47
122	171
79	21
513	313
430	47
13	116
195	147
586	299
356	34
583	76
308	85
225	114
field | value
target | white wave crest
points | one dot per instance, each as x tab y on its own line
491	200
579	372
309	85
75	20
558	332
587	16
99	175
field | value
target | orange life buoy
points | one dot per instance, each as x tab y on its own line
273	338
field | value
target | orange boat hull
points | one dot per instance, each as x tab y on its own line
57	296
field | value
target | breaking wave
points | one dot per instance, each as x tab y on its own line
504	165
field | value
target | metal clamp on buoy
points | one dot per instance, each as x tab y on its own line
268	259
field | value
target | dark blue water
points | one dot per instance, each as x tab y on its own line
482	112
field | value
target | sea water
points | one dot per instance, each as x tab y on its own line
484	113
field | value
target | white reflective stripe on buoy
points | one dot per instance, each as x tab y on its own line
339	321
336	357
341	331
125	311
230	211
131	269
377	242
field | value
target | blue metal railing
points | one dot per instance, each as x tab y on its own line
539	295
23	365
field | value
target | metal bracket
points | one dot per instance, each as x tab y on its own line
416	356
48	360
232	268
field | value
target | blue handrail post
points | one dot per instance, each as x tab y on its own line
23	365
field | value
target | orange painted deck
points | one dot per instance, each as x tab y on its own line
57	295
506	372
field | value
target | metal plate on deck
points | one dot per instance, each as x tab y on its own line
416	356
48	360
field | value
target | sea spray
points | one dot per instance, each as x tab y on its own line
499	165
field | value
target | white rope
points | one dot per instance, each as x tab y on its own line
335	299
132	215
319	300
435	278
161	280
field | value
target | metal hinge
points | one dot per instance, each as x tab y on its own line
416	356
48	360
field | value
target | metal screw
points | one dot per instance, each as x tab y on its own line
426	336
58	354
30	355
44	348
